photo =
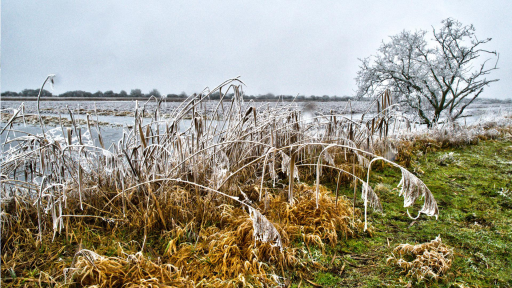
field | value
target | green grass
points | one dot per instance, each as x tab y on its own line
474	219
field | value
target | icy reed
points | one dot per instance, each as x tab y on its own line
236	144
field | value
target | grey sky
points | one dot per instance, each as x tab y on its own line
283	47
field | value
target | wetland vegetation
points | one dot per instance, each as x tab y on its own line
270	195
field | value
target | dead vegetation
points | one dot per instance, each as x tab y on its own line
427	260
220	203
227	254
445	136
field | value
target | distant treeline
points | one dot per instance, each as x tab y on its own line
215	96
138	93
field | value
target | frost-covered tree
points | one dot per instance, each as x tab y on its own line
155	93
136	93
442	75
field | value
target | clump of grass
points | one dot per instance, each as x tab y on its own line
89	268
427	260
329	223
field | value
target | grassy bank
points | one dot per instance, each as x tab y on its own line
474	192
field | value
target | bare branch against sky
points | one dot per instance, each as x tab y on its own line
283	47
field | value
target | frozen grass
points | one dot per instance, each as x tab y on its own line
427	260
221	203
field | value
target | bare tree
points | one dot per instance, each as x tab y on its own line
443	75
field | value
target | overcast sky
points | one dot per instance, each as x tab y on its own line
283	47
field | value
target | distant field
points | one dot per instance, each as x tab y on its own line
127	104
487	110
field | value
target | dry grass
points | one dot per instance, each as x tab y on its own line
427	260
135	270
224	194
226	254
